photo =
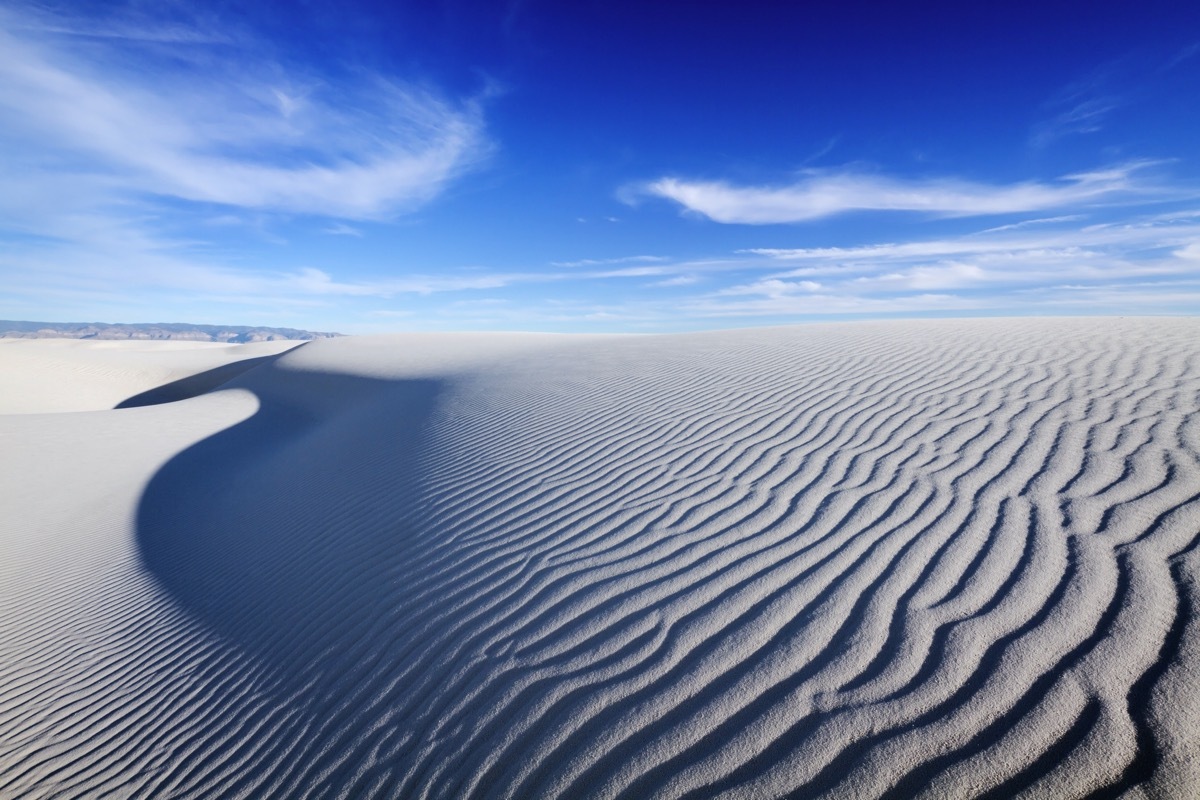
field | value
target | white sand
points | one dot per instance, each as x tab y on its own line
48	375
943	559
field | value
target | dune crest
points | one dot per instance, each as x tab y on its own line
55	375
951	558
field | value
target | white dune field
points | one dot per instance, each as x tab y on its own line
896	559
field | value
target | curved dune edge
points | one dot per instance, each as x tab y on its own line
61	375
944	559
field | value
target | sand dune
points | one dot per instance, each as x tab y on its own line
939	559
49	375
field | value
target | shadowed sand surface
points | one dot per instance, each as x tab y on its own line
941	559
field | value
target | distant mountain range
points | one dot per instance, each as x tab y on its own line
237	334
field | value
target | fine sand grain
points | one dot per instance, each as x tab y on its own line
940	559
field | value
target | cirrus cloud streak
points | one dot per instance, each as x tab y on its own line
823	194
219	123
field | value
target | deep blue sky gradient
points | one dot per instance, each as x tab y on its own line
551	211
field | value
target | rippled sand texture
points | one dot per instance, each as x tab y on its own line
949	559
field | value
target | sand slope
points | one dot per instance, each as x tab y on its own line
943	559
47	375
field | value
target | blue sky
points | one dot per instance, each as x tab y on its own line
588	166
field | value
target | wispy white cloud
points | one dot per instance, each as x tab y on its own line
342	229
135	22
678	280
1184	54
1047	265
826	193
181	284
629	272
1190	252
1061	264
1083	116
247	133
771	287
1026	223
132	148
313	281
1014	242
1083	106
1140	265
792	305
597	262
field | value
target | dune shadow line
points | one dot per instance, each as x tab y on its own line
195	385
287	533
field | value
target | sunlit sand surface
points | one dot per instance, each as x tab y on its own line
898	559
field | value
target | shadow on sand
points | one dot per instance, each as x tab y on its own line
289	534
195	385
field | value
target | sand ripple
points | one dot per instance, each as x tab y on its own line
944	559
